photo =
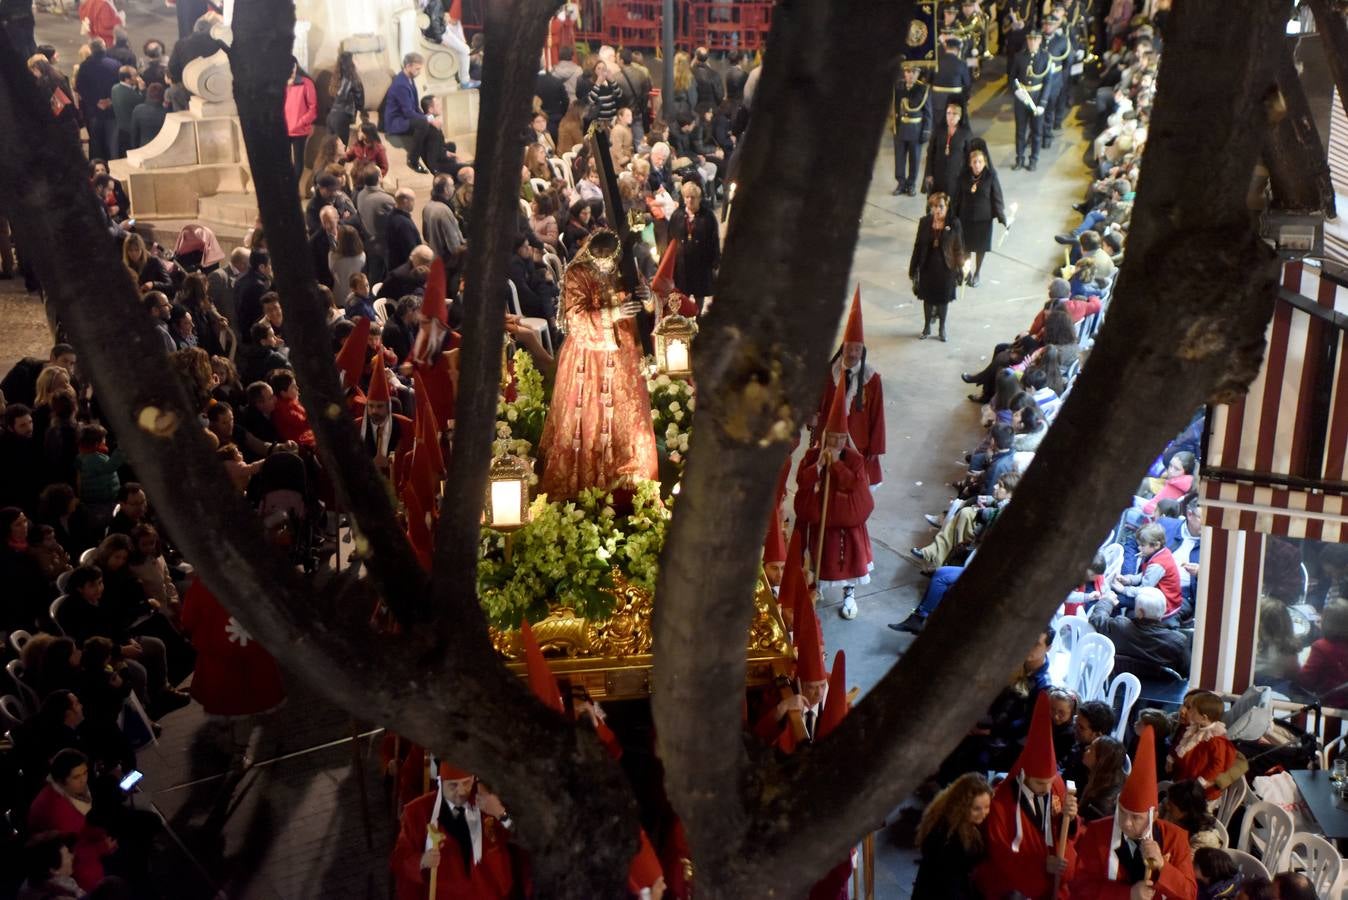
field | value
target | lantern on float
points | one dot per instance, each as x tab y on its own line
674	345
507	493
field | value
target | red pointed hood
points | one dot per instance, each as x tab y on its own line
835	703
645	868
663	282
853	333
433	305
541	680
837	412
774	546
456	10
378	392
1139	791
793	586
355	350
1037	760
809	643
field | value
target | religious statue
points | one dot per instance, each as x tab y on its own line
598	432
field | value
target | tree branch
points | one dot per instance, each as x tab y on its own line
1297	164
514	32
1334	32
1186	325
556	778
758	365
266	30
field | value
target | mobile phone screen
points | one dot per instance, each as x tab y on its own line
131	780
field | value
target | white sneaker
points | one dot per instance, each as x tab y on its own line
849	607
933	521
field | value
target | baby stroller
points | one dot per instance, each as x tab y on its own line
197	249
283	494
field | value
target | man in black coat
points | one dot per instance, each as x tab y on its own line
20	383
912	129
197	45
537	294
551	90
20	460
694	235
735	76
328	192
710	87
952	80
1144	637
250	287
322	242
93	84
1059	49
410	277
1028	76
400	232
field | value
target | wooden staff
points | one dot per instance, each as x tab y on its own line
1061	851
437	837
823	518
786	690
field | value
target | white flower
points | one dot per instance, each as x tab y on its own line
663	381
512	414
691	401
603	553
674	407
683	442
675	457
678	416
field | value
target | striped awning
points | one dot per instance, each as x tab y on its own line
1274	510
1293	422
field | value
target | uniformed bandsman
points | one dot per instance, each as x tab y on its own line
974	25
952	80
1029	76
1059	50
912	129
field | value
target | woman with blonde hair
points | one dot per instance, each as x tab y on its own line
146	269
684	98
331	152
951	840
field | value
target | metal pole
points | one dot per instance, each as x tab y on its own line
667	45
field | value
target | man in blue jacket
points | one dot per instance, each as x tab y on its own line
402	110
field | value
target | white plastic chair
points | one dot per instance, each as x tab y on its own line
1232	799
1068	633
539	185
1317	858
559	169
1113	554
1326	755
1250	868
1091	664
87	557
1222	834
1267	828
62	580
1131	687
27	696
18	638
11	712
531	322
554	264
381	309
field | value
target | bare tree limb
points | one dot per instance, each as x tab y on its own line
1297	164
514	31
1186	325
264	31
758	366
556	778
1334	32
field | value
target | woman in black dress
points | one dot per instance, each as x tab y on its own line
946	152
978	203
937	261
951	842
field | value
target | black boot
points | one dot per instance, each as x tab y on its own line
913	624
941	314
1029	166
1018	164
926	321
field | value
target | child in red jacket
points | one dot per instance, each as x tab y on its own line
1202	751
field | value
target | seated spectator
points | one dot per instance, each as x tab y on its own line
409	277
968	524
47	552
1216	873
1062	705
1175	483
62	806
1186	805
50	664
263	355
133	508
1030	427
240	472
951	840
1157	569
49	868
359	302
544	222
20	457
579	224
368	148
533	285
1325	673
1103	759
1294	886
995	741
147	564
1091	589
1202	751
97	468
400	329
1094	719
288	416
1144	637
58	507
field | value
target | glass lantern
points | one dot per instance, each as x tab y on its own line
674	346
507	493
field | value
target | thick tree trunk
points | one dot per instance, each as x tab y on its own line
759	360
1298	167
1186	325
264	36
514	34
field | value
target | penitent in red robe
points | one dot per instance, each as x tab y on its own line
1005	870
234	675
867	424
491	878
847	544
1175	880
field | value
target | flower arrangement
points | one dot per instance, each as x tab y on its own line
566	555
519	423
672	404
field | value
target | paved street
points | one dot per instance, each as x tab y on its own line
296	827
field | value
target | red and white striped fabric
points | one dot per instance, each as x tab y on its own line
1279	511
1228	609
1268	430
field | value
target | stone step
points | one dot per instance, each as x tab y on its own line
232	208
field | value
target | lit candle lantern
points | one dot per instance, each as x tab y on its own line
508	494
674	344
